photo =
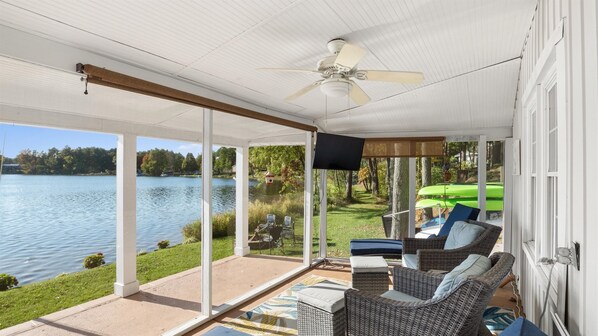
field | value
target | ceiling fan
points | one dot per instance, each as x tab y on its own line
338	70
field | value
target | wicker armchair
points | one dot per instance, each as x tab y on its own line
459	312
432	255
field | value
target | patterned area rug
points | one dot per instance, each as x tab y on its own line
498	319
278	316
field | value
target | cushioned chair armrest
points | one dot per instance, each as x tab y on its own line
411	245
421	285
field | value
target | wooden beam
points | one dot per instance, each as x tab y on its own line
101	76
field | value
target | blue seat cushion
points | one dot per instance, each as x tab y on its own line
460	213
376	247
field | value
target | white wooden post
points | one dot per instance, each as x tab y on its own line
308	200
323	213
482	178
242	201
508	196
126	250
206	215
412	184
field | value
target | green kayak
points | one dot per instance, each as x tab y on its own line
491	204
461	190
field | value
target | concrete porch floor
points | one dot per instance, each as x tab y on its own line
162	304
166	303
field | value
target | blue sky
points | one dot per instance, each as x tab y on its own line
41	139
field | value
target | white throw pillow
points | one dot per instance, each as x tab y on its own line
462	234
474	265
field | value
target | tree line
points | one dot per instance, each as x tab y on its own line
284	161
94	160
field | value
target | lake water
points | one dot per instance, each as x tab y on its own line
48	224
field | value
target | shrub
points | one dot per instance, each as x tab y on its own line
223	224
192	232
93	261
162	244
7	281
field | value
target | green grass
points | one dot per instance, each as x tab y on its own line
358	220
31	301
21	304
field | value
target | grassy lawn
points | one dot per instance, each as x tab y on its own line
358	220
31	301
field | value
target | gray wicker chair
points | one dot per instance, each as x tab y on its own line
432	255
459	312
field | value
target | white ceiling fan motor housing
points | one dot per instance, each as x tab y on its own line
335	46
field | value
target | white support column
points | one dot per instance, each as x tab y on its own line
242	201
308	200
206	215
126	236
482	178
508	196
412	185
323	213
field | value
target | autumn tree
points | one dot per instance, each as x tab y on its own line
155	162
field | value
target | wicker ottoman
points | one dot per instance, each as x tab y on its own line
369	274
321	310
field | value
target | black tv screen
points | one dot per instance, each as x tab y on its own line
337	152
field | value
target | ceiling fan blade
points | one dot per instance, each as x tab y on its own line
390	76
349	56
303	91
288	70
358	95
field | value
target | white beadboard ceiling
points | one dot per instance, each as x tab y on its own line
467	49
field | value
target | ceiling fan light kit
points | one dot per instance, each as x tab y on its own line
336	87
338	70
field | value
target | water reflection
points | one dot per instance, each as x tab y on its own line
48	224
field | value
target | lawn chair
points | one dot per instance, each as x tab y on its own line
270	219
288	228
275	238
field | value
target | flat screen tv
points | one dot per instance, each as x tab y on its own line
337	152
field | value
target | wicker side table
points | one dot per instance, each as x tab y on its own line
321	310
369	274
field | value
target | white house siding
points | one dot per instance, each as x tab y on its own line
580	212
